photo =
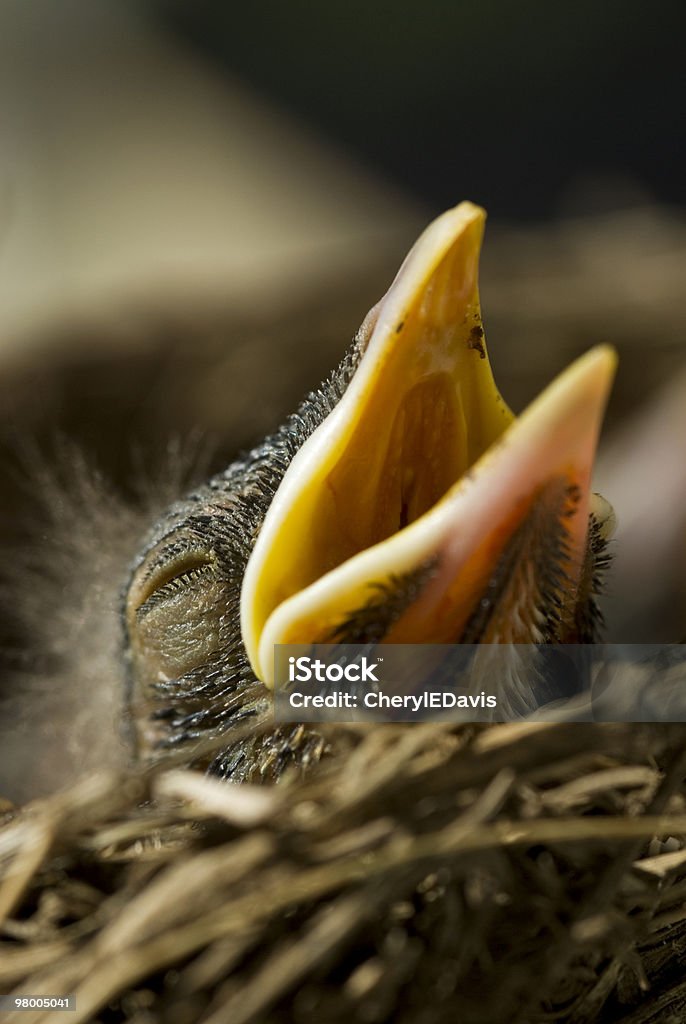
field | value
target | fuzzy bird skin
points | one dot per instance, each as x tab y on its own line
219	690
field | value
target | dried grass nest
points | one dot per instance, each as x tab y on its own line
419	874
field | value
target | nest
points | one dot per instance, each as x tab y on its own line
419	874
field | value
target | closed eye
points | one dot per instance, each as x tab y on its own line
177	604
178	578
174	565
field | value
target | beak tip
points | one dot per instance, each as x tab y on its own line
588	381
607	357
602	368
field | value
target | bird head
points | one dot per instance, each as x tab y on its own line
403	503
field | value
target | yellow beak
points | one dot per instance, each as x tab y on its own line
421	483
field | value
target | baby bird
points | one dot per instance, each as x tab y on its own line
402	503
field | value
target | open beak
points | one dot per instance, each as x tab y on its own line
422	510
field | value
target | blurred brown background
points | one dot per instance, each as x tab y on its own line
198	204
